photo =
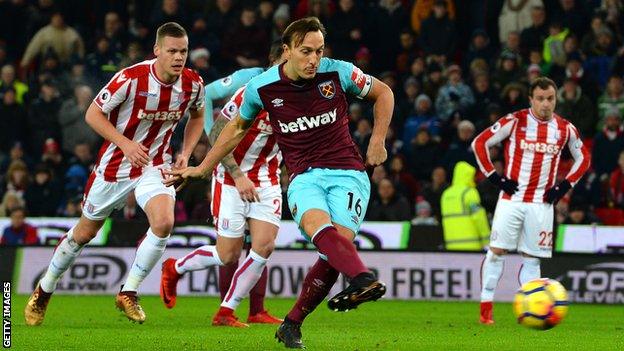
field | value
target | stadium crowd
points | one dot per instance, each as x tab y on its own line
455	67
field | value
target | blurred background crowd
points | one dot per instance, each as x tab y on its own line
455	67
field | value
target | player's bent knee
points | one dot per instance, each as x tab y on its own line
162	226
228	257
85	230
313	219
264	249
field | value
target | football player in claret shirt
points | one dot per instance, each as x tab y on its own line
136	113
329	190
533	140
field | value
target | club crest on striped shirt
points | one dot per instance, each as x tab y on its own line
225	223
327	89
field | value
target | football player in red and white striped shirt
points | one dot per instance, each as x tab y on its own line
136	113
533	140
245	193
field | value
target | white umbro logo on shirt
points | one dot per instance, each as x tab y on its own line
277	102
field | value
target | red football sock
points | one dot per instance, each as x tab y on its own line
226	274
316	286
340	252
256	295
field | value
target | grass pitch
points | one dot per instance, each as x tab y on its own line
93	323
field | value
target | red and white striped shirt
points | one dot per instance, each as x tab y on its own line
145	110
532	150
257	155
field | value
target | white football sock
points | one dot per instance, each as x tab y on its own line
245	277
529	270
64	256
148	253
201	258
490	274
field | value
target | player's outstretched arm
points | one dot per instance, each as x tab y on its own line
382	111
192	132
245	187
135	152
231	135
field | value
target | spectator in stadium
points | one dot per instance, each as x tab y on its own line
533	72
43	194
72	207
403	179
200	61
347	30
52	157
383	32
553	45
82	156
169	11
102	64
572	15
115	32
574	70
406	104
10	201
460	149
616	183
247	43
432	192
484	95
423	118
464	220
611	99
407	53
281	19
390	206
533	36
43	117
424	155
74	129
579	214
266	10
8	81
201	37
596	25
19	232
507	71
576	107
599	59
16	179
433	80
513	97
17	152
515	16
63	40
479	48
422	10
608	144
454	96
12	120
438	36
362	135
133	54
424	216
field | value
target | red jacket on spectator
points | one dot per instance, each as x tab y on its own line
23	235
616	187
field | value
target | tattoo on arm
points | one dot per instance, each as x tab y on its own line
228	161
